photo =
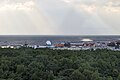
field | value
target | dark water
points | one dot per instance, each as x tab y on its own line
40	40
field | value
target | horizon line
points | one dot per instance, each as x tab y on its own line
65	35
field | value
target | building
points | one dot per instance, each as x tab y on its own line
48	43
4	46
11	46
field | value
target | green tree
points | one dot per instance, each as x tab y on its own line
95	76
76	75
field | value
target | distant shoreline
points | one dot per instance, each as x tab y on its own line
60	35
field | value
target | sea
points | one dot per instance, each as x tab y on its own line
41	39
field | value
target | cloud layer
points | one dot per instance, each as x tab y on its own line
59	17
16	5
94	5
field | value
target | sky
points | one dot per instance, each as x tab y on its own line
59	17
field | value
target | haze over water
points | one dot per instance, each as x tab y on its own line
41	40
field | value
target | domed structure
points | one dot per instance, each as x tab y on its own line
48	43
86	40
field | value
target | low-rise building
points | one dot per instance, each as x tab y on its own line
4	46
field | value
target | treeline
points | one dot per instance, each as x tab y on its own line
46	64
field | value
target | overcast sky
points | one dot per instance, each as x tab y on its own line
59	17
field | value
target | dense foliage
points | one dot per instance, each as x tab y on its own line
46	64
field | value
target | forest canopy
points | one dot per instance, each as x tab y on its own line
47	64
